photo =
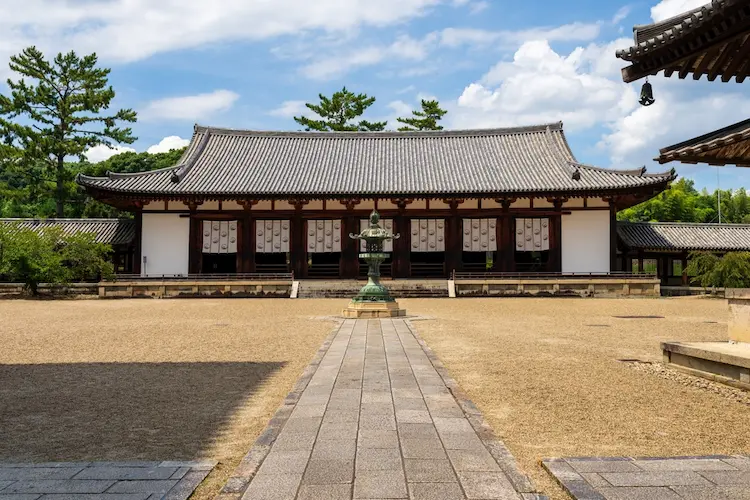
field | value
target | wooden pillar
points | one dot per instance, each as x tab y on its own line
612	236
628	261
349	267
298	244
640	262
138	242
402	246
685	281
505	240
555	239
453	239
195	253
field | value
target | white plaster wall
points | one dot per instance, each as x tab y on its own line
165	244
585	242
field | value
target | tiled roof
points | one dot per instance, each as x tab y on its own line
684	236
110	231
705	40
225	163
726	146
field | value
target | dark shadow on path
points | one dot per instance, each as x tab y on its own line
120	411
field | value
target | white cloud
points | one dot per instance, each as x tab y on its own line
541	86
477	7
621	14
574	32
338	62
671	119
400	108
168	144
670	8
288	109
130	30
190	108
103	152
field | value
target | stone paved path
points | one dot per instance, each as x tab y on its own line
668	478
102	480
377	421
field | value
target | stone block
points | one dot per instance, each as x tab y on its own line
727	477
473	460
429	471
338	431
327	471
487	485
378	459
377	439
60	486
273	487
603	465
342	449
285	462
380	484
654	478
377	422
325	492
32	473
308	425
452	425
139	486
642	493
417	430
294	441
683	464
435	491
126	473
424	448
413	417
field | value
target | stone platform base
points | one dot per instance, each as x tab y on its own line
365	310
724	362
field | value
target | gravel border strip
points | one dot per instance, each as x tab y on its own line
245	471
494	445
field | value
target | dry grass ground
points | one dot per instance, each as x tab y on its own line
545	374
149	379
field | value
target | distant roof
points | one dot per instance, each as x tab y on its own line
110	231
712	40
223	163
684	236
727	146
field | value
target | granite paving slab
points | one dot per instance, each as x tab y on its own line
137	480
653	478
376	416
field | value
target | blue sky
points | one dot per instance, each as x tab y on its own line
491	63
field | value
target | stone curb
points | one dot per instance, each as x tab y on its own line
572	482
245	471
494	445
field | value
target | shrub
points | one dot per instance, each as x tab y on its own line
730	271
33	257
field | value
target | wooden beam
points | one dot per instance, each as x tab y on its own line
735	64
686	67
703	65
195	245
612	236
729	50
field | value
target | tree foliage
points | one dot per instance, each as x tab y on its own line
56	114
31	257
425	119
730	271
339	113
684	203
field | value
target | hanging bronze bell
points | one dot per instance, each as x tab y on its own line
647	95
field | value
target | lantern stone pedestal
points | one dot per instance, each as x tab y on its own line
373	300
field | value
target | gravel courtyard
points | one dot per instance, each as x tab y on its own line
546	375
148	379
171	379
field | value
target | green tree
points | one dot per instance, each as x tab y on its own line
426	119
34	257
56	114
337	113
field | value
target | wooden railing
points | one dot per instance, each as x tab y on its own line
207	277
456	275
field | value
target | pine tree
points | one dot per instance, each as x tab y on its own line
426	119
338	111
56	114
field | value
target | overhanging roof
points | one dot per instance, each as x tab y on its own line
109	231
712	40
727	146
681	236
223	163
